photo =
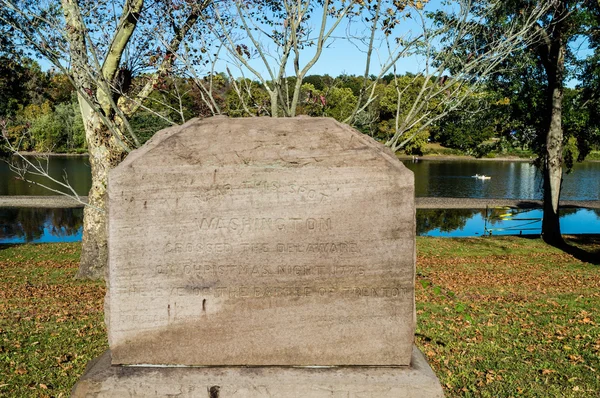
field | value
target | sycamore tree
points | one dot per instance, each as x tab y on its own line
100	46
453	65
265	38
277	43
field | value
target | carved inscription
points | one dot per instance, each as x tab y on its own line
242	225
212	279
293	190
189	247
254	291
187	269
262	247
242	292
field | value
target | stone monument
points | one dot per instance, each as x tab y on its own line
260	257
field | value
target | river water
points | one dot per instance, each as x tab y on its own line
509	180
433	178
74	169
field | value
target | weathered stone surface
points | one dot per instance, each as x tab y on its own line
102	380
261	242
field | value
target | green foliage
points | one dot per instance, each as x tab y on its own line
336	102
401	94
145	124
340	103
354	83
318	82
368	120
43	129
570	152
469	127
46	130
312	101
507	117
251	98
416	146
529	75
21	83
585	106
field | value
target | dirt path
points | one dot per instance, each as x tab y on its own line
53	202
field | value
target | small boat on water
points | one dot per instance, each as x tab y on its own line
481	177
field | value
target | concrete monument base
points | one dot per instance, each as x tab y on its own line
102	379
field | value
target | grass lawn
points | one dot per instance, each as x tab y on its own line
497	317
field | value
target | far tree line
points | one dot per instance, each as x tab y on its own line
40	111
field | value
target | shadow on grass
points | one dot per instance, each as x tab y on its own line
4	246
585	248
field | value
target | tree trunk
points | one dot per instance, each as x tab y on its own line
553	172
106	146
104	154
296	95
553	159
274	103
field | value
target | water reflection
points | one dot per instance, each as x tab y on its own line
20	225
442	220
502	221
75	168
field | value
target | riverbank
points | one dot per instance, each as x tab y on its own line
464	157
399	156
434	151
595	157
473	158
57	201
51	154
496	317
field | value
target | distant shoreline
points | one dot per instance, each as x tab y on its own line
472	158
400	157
439	203
51	154
467	157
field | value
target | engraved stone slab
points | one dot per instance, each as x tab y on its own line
261	241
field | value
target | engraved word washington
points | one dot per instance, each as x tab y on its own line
242	225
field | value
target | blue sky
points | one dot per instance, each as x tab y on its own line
342	56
